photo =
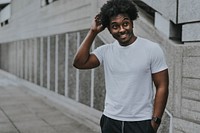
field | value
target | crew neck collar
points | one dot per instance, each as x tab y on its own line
131	45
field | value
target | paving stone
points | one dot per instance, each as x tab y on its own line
24	111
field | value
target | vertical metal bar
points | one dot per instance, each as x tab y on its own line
77	71
92	83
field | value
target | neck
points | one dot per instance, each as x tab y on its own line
132	40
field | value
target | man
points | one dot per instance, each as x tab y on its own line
131	64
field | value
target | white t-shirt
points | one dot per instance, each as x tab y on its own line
128	71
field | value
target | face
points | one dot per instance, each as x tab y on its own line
121	28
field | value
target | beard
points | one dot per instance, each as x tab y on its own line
126	38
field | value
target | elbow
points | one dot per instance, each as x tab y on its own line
75	64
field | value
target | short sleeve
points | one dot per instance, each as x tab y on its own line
158	62
99	53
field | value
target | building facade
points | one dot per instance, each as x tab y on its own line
38	39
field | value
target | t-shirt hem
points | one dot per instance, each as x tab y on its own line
127	118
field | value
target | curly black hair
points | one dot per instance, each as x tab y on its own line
115	7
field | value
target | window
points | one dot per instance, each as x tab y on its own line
5	13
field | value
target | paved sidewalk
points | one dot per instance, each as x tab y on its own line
23	111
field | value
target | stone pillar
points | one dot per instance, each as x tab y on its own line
25	59
99	83
52	63
45	62
38	45
84	80
35	52
71	70
61	64
41	61
30	60
48	63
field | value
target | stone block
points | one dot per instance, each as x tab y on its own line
188	11
166	26
166	7
190	115
184	126
189	70
191	32
191	94
191	49
191	104
191	83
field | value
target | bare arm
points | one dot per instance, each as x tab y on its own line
161	81
83	59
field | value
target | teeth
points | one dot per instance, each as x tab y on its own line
123	36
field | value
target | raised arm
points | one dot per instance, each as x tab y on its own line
83	59
161	81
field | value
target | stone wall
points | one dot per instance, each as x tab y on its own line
181	14
47	62
183	62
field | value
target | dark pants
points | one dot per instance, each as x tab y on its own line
109	125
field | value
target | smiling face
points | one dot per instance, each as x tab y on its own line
121	28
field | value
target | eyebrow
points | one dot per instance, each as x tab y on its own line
125	18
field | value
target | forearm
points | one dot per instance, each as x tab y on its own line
161	81
160	102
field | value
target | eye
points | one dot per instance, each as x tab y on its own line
125	23
114	26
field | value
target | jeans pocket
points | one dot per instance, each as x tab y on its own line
151	129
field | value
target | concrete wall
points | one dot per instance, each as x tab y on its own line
47	62
29	19
183	62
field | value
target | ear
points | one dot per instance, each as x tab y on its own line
132	24
108	28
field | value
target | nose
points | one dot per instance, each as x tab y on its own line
121	29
